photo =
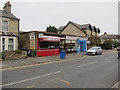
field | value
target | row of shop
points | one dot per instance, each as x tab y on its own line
47	44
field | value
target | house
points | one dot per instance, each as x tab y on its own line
113	37
85	30
93	31
97	32
72	29
9	29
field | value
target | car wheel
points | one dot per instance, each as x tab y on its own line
101	53
95	53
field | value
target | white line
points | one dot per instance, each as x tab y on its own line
29	79
109	58
87	64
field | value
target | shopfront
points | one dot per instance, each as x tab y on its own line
81	44
70	44
47	45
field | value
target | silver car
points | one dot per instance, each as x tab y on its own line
94	50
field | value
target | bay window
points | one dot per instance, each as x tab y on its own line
11	44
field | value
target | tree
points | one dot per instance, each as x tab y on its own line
94	40
107	44
52	29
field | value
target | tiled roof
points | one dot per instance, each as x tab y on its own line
5	14
94	28
82	27
61	28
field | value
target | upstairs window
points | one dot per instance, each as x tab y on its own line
4	25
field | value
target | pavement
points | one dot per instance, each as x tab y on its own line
77	71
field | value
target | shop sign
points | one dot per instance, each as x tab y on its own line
71	38
40	35
81	38
88	42
67	41
73	41
50	38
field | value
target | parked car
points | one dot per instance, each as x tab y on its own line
94	50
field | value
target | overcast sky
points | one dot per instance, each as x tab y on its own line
38	15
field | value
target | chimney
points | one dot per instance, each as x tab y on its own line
105	33
7	7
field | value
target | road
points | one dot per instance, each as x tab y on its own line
99	71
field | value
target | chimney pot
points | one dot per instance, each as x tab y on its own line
7	7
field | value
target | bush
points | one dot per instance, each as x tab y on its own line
18	51
4	53
7	52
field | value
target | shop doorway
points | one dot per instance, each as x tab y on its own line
81	46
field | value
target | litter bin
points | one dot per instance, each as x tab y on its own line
62	54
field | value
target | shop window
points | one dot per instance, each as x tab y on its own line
4	25
45	44
11	44
3	44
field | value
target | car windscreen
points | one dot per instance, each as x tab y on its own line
94	48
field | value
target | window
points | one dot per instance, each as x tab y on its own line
45	44
10	44
4	25
3	44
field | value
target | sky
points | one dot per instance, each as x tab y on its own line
40	14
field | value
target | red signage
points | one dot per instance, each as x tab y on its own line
50	38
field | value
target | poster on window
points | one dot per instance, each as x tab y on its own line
32	40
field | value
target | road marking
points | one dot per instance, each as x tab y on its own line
4	69
50	80
108	58
109	61
87	64
63	81
30	79
31	86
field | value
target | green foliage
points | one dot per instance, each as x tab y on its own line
94	40
116	44
7	52
18	51
4	53
52	29
107	44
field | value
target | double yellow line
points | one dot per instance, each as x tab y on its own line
4	69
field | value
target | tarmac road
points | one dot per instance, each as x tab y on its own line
100	71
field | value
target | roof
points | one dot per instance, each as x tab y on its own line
75	24
94	28
5	14
98	30
86	26
61	28
81	27
51	33
110	36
